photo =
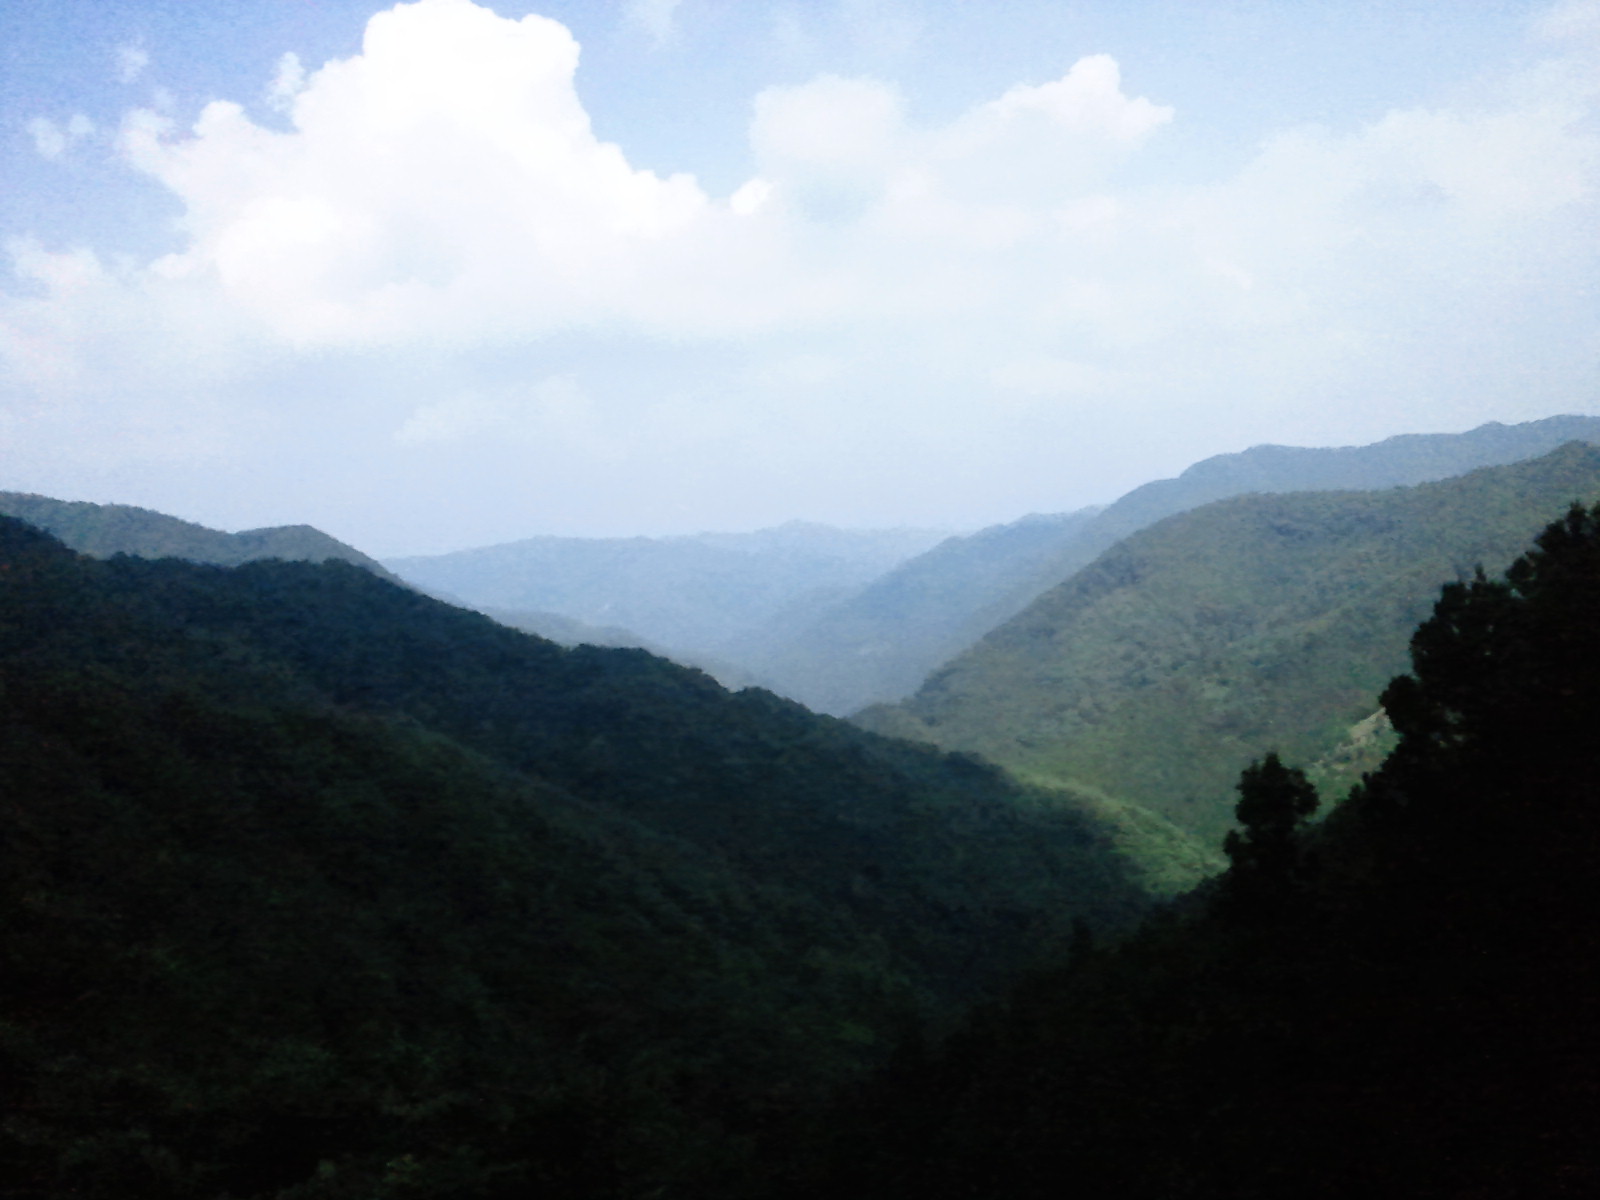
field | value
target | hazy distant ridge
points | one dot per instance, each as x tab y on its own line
691	595
102	530
879	643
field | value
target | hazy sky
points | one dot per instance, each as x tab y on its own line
447	274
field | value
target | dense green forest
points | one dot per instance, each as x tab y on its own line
313	886
1397	1002
1157	672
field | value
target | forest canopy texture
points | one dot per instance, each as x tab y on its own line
313	886
1397	1002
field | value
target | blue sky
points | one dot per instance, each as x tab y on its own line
445	274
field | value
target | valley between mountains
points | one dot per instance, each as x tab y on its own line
881	863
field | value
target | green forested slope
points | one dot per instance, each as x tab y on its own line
313	886
1259	623
1398	1002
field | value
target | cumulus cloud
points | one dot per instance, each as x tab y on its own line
831	126
445	182
1087	101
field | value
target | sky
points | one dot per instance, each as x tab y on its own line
446	274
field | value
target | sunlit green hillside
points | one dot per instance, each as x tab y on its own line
1258	623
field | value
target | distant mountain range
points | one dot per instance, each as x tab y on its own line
102	530
842	619
694	596
1263	622
879	644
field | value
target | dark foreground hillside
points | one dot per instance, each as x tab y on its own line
1401	1003
311	886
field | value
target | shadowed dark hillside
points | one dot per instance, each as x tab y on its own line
313	885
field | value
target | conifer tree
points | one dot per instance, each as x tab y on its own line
1265	857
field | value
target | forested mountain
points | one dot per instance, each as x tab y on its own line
106	529
1261	622
694	595
102	530
1398	1002
313	886
879	643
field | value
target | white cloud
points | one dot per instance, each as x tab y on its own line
49	139
287	83
446	182
52	139
751	197
1088	100
446	185
830	126
1570	20
654	17
132	59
